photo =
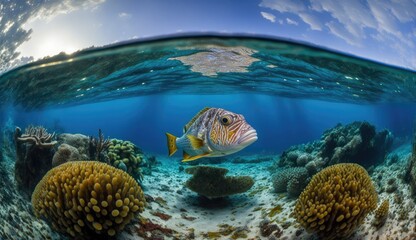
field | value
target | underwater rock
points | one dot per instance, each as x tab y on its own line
64	154
34	152
211	182
357	142
268	228
78	141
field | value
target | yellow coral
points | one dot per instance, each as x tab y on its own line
381	214
336	201
86	197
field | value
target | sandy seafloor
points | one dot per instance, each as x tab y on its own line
178	213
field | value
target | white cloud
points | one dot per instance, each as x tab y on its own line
312	21
269	16
124	15
355	21
292	22
50	9
338	30
284	5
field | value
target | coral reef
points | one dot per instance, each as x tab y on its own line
34	152
83	198
211	182
357	142
291	180
126	156
381	214
336	201
64	154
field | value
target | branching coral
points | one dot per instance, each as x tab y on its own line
381	214
211	182
37	136
98	146
82	198
336	201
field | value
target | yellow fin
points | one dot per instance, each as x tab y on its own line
188	125
186	155
194	157
196	142
171	144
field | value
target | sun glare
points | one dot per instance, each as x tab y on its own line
54	44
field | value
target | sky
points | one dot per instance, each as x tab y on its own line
381	30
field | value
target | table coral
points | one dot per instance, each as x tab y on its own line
211	182
83	198
336	201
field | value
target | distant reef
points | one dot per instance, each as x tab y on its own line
357	142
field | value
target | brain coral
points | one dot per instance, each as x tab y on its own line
291	180
86	197
336	201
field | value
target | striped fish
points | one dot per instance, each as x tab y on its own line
213	132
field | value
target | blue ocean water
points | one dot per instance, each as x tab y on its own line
280	122
292	93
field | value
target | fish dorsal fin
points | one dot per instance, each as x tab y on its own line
188	125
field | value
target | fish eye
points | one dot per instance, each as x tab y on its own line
226	120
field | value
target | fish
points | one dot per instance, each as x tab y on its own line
212	132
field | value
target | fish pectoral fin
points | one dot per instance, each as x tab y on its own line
186	155
196	142
172	148
187	158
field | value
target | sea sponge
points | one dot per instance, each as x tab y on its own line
381	214
336	201
211	182
83	198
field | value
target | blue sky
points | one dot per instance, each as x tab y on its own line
382	30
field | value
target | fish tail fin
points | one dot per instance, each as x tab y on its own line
172	148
